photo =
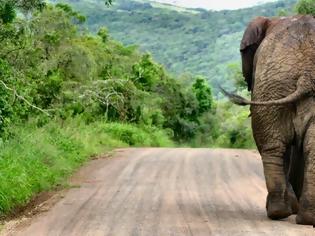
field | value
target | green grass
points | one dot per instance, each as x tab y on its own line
38	159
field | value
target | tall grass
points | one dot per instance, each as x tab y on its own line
37	159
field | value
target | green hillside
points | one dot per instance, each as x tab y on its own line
184	40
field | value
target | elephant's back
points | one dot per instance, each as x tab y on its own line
286	53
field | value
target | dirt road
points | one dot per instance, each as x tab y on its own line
160	192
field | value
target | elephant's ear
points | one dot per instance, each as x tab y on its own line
252	38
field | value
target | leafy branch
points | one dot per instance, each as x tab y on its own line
16	95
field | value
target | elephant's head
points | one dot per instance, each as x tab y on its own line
254	34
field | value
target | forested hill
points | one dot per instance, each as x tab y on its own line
184	40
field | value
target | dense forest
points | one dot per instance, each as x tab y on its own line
67	93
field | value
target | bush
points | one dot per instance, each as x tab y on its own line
234	130
137	136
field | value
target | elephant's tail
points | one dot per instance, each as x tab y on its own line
293	97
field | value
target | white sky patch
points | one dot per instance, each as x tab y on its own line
215	4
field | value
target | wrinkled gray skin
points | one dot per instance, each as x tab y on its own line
283	111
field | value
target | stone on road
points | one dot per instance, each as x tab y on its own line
160	192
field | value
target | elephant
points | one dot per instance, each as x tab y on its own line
278	62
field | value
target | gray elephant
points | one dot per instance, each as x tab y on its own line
278	57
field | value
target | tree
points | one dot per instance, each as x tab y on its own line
234	74
203	94
103	33
306	7
8	8
108	2
147	73
7	12
283	12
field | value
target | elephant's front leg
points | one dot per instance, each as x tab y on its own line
306	213
278	200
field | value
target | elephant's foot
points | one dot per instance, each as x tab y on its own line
278	207
306	214
305	218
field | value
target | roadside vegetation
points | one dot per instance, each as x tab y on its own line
37	158
67	94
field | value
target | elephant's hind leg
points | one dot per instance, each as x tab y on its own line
274	135
278	199
306	213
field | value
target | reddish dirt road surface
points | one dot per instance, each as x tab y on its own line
161	192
